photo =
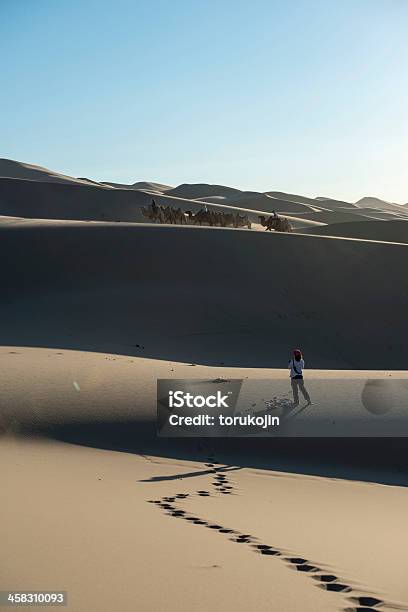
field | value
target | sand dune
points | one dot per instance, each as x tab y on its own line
178	291
10	168
357	215
281	201
240	205
39	200
341	216
97	305
201	190
381	215
391	231
291	197
35	199
261	201
111	502
141	185
371	202
30	199
319	201
237	198
195	547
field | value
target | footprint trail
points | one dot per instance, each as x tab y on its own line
356	602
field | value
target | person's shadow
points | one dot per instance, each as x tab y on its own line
292	413
288	410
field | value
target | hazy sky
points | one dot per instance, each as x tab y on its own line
307	96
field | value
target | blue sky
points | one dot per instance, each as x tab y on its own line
307	96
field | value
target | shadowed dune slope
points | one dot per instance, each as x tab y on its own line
391	231
41	200
205	295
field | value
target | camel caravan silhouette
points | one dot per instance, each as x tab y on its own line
170	215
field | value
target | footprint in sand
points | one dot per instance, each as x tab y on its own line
367	601
271	552
326	578
307	568
337	587
296	560
328	582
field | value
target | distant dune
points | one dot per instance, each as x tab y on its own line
390	231
239	199
371	202
202	190
322	210
292	197
261	201
348	216
19	170
332	202
142	185
34	192
40	200
318	201
151	186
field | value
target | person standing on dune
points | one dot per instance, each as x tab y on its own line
296	366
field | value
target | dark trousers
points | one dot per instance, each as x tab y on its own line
299	383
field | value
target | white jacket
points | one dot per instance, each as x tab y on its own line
299	365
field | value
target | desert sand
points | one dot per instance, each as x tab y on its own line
80	511
392	231
96	305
